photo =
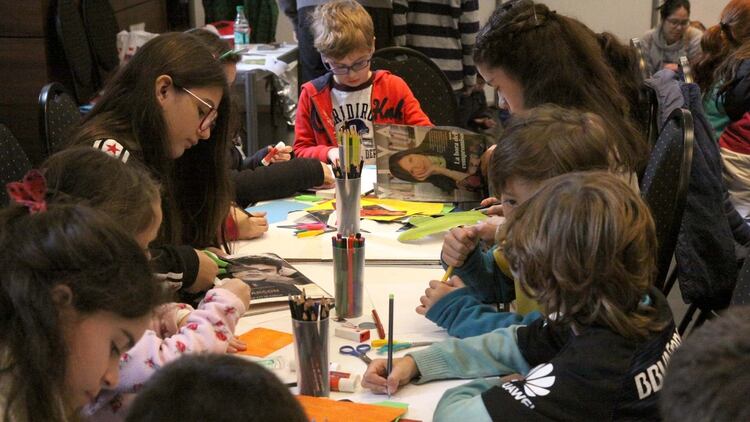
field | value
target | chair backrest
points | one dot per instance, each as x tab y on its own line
75	45
685	70
640	57
13	162
427	82
101	30
58	114
665	184
741	295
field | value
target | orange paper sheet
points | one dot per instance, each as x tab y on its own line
322	409
262	341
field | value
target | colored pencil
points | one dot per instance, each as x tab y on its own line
389	364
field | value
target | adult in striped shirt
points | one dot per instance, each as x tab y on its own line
443	30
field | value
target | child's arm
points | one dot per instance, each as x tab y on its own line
184	266
484	279
465	402
400	8
304	134
469	26
413	113
206	329
463	315
491	354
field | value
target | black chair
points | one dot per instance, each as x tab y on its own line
428	83
741	295
75	45
685	70
665	185
13	162
640	57
101	30
58	114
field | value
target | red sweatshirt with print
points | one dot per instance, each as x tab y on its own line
391	101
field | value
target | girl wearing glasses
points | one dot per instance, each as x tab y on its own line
161	108
350	94
672	38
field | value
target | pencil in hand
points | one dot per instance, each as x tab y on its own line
447	274
389	364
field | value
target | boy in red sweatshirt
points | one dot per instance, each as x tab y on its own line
350	94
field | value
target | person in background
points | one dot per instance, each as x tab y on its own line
719	42
230	389
589	261
548	141
350	94
253	180
75	292
706	378
445	31
301	12
532	56
127	194
672	38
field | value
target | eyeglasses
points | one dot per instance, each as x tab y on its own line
208	119
678	22
340	69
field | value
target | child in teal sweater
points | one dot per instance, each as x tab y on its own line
545	142
584	247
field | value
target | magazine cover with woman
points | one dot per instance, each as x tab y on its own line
429	163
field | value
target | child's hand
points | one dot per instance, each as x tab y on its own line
333	155
250	226
495	206
404	370
486	230
239	288
282	154
235	345
436	291
458	244
207	272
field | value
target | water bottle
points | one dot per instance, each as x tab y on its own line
241	29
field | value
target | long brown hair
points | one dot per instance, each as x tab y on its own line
557	59
71	245
584	246
125	192
548	141
196	186
726	37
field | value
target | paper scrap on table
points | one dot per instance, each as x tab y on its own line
407	207
262	342
395	404
321	409
277	210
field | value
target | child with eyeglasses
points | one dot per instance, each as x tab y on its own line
350	94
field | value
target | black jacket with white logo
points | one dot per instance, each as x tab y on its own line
597	375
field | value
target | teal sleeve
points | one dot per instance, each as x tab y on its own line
464	402
480	274
463	315
491	354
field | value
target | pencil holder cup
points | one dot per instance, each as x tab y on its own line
311	353
348	278
347	206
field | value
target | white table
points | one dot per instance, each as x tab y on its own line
259	61
407	284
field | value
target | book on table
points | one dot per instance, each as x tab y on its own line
272	279
429	163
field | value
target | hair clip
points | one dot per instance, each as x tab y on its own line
30	191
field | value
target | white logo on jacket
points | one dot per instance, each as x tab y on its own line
537	383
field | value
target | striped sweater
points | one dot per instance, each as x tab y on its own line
443	30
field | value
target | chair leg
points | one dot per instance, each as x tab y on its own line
687	319
670	283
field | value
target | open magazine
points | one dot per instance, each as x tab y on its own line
272	279
433	164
